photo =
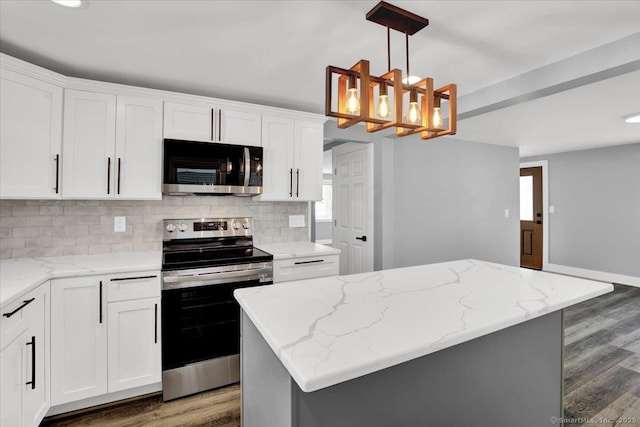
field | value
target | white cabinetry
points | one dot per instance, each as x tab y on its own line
138	148
134	330
211	124
133	341
89	144
24	360
78	339
30	137
292	159
305	268
106	158
308	160
105	335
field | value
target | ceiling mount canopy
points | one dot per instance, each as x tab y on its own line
356	88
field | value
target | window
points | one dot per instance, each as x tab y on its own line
526	198
325	206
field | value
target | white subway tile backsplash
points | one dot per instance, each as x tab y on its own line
39	228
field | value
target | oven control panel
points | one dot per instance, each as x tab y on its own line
206	227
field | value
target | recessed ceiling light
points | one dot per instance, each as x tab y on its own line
632	119
70	3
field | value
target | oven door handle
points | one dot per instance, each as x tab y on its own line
187	281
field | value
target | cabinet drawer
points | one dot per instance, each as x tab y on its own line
20	312
127	286
305	268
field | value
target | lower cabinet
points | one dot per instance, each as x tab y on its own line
24	360
102	343
78	339
305	268
134	343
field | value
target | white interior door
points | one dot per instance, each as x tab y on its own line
353	207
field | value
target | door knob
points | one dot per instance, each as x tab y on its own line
363	238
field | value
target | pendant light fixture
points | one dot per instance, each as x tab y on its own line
356	88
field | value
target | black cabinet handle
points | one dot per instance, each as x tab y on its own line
212	128
108	175
297	182
118	175
291	182
363	238
100	301
119	279
155	324
32	343
220	125
57	160
24	304
308	262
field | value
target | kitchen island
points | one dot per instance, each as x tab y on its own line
457	343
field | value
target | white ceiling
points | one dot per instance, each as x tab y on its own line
586	117
275	52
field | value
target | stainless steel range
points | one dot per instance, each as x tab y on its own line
203	262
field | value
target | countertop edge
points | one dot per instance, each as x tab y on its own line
74	273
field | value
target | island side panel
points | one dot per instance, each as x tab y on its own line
509	378
266	384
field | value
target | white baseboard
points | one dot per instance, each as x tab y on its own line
601	276
105	398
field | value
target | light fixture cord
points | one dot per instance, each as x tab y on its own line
388	48
406	35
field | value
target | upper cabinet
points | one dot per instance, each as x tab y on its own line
89	144
138	148
292	159
211	124
112	146
30	137
81	139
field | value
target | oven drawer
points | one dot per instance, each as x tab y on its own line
135	285
305	268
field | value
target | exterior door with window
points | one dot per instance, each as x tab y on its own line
531	217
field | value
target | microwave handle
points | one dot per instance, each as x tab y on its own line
247	166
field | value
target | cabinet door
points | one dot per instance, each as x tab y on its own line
30	137
89	141
134	343
308	161
78	339
278	146
13	372
36	396
239	127
138	148
190	122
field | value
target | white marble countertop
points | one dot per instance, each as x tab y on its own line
21	275
334	329
290	250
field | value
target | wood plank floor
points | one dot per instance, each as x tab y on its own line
602	375
602	358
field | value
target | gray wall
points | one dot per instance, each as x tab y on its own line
449	202
440	200
596	195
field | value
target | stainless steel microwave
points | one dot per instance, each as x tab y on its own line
207	168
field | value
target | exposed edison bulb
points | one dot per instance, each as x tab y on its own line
437	117
414	113
353	103
383	107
